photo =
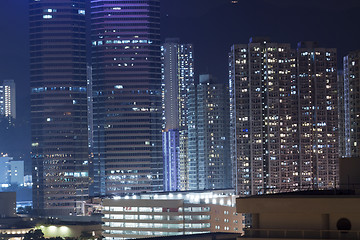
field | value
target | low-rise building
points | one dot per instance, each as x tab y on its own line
203	236
333	214
170	214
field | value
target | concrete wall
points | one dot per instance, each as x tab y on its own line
7	204
305	213
349	173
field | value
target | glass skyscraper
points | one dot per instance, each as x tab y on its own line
58	105
127	104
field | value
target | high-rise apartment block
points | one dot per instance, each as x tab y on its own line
317	115
127	102
350	114
60	163
178	77
283	116
8	100
209	165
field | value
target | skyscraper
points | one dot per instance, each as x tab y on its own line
8	100
209	163
350	116
284	116
58	105
261	83
178	77
127	105
318	115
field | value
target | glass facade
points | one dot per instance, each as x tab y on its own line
60	163
127	105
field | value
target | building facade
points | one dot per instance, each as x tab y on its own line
209	166
261	81
171	154
127	104
350	114
343	103
318	116
170	214
58	105
11	172
17	173
178	76
302	215
8	100
284	116
4	171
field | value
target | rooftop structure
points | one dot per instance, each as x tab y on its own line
170	214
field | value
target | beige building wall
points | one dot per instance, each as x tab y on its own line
303	216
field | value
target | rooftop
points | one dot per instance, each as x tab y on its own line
311	194
205	236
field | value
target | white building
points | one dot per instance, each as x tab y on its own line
8	99
11	172
170	214
4	170
17	172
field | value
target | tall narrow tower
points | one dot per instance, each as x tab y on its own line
178	77
58	105
8	100
127	105
318	115
264	128
350	116
209	137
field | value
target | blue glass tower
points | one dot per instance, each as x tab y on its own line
126	64
58	105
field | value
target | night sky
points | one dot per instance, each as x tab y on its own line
211	25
